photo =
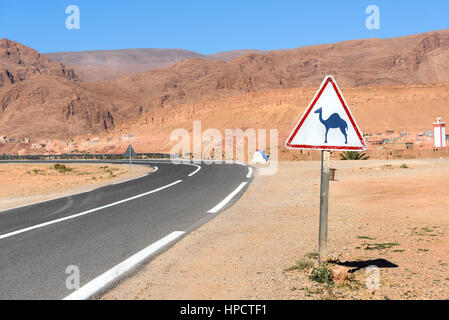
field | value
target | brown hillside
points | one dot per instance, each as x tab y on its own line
19	62
376	109
230	55
49	106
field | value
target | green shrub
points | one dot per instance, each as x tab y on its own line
62	168
38	171
322	274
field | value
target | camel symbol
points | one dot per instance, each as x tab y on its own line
334	121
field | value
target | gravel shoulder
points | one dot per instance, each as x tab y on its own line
379	214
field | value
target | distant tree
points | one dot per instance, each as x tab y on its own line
353	155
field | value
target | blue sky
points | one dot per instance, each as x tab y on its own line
211	26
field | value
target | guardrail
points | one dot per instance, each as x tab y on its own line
87	156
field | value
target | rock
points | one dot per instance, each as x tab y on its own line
340	273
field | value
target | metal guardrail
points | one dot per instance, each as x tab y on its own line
84	156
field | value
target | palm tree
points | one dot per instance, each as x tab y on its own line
353	155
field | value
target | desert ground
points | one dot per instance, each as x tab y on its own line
393	214
22	184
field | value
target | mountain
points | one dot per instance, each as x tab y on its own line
19	62
111	64
100	65
417	59
230	55
44	99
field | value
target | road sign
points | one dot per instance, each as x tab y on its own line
327	123
129	152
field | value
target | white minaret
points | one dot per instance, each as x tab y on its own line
439	133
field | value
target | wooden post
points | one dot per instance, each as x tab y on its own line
324	200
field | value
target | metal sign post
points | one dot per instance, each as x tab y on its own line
324	201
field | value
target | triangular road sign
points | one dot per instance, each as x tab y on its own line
129	152
327	123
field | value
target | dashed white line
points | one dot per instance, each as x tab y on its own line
227	199
199	168
10	234
250	172
95	285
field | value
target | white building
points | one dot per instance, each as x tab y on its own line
439	133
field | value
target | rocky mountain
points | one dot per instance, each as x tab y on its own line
19	62
52	107
417	59
40	99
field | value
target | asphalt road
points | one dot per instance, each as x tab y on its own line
38	242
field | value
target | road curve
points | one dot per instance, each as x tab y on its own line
97	230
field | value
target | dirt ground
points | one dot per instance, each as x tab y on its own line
22	184
380	214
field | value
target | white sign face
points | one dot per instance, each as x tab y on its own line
327	123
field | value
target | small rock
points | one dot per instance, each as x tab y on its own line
340	273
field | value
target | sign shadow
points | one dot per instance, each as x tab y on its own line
357	265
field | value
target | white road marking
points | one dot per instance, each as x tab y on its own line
250	172
10	234
155	169
227	199
95	285
199	168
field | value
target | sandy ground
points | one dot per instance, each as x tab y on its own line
22	184
244	252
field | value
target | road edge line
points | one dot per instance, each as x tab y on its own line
250	172
96	285
228	198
